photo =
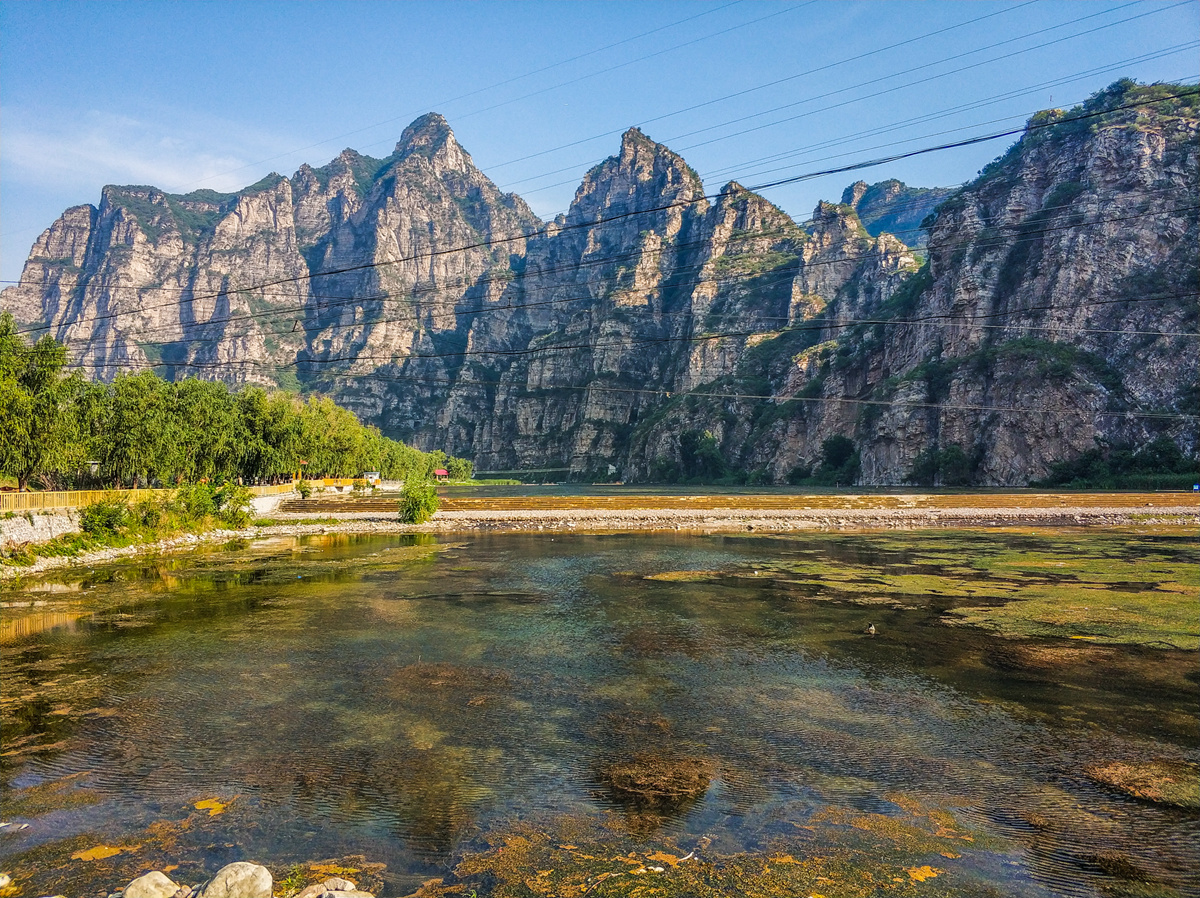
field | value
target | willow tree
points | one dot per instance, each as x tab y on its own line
209	436
137	431
37	433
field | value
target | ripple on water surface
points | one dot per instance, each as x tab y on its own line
415	701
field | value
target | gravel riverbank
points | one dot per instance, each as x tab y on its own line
722	520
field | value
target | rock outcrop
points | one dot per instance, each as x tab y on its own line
654	330
895	207
1057	311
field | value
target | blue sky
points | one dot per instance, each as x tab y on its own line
218	94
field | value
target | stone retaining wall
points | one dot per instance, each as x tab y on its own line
21	527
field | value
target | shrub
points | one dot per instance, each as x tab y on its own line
700	456
304	488
840	465
148	513
106	517
950	466
460	468
799	474
233	503
1156	465
418	501
195	501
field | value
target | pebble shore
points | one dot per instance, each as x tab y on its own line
723	520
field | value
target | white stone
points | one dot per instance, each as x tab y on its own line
239	880
151	885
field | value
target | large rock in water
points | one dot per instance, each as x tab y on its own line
151	885
239	880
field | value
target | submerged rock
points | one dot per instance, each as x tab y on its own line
1162	782
334	885
239	880
655	780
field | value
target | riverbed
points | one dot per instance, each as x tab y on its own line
508	711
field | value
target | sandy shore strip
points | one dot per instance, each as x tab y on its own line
600	520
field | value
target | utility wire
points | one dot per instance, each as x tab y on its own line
779	399
848	102
788	273
502	241
476	92
818	324
775	83
946	113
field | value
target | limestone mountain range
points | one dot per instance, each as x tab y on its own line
1042	309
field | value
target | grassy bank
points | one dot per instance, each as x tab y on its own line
115	523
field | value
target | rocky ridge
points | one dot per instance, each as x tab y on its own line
654	330
894	207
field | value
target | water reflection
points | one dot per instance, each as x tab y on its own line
407	697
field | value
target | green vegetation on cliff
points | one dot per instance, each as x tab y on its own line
1156	465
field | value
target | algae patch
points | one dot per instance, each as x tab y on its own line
1163	782
841	855
1129	586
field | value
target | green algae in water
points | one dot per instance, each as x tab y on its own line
424	703
1132	586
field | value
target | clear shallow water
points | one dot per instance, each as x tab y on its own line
408	700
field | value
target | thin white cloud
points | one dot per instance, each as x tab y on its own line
102	148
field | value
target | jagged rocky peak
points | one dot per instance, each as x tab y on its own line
743	222
431	138
835	222
347	159
644	175
641	167
855	192
756	211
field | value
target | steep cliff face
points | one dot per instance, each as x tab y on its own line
894	207
1057	312
665	332
254	286
642	291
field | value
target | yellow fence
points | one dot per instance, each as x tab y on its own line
336	481
80	498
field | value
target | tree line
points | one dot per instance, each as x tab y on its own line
59	430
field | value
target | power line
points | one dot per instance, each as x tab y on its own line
775	83
867	83
501	241
562	84
521	77
789	9
610	46
478	91
670	394
825	145
789	274
818	324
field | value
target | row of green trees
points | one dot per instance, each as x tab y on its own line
60	430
